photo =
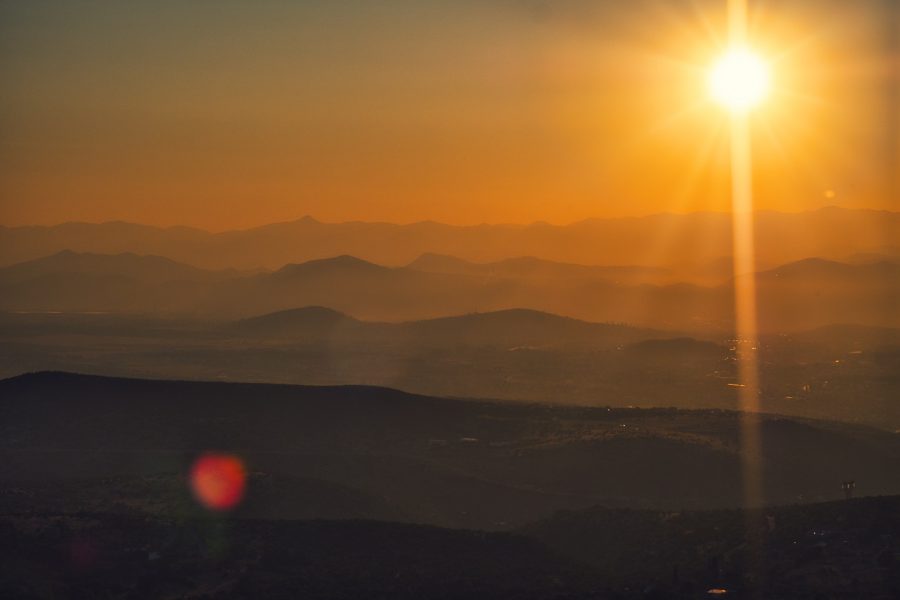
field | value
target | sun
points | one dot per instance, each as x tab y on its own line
740	80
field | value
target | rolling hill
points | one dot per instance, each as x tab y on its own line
86	282
840	550
346	485
844	549
503	328
98	555
440	461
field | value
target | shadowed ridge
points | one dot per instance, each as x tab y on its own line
508	314
438	460
305	220
311	559
295	321
523	327
69	260
519	316
68	264
820	267
71	380
840	534
614	240
508	327
51	377
344	263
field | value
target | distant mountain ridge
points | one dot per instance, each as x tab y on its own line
538	268
811	268
306	321
863	294
139	267
503	328
660	240
344	263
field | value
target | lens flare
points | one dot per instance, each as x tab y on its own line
218	480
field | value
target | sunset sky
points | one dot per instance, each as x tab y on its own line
229	115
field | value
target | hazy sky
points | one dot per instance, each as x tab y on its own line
225	114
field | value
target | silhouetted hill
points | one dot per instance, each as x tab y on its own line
802	295
440	461
504	328
841	372
295	322
781	552
602	502
521	327
655	241
168	494
343	265
833	272
97	555
70	281
815	292
349	285
843	550
140	268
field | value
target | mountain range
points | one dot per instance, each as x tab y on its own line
685	242
810	293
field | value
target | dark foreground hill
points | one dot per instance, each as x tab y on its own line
843	549
98	556
414	458
839	550
95	502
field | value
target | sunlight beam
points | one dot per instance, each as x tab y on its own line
746	332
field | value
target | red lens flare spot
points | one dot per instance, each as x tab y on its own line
218	480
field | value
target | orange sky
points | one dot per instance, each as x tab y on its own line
234	114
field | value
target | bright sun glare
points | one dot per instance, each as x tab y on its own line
739	80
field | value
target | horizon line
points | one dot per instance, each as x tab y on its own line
310	218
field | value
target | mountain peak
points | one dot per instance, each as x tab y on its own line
341	263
